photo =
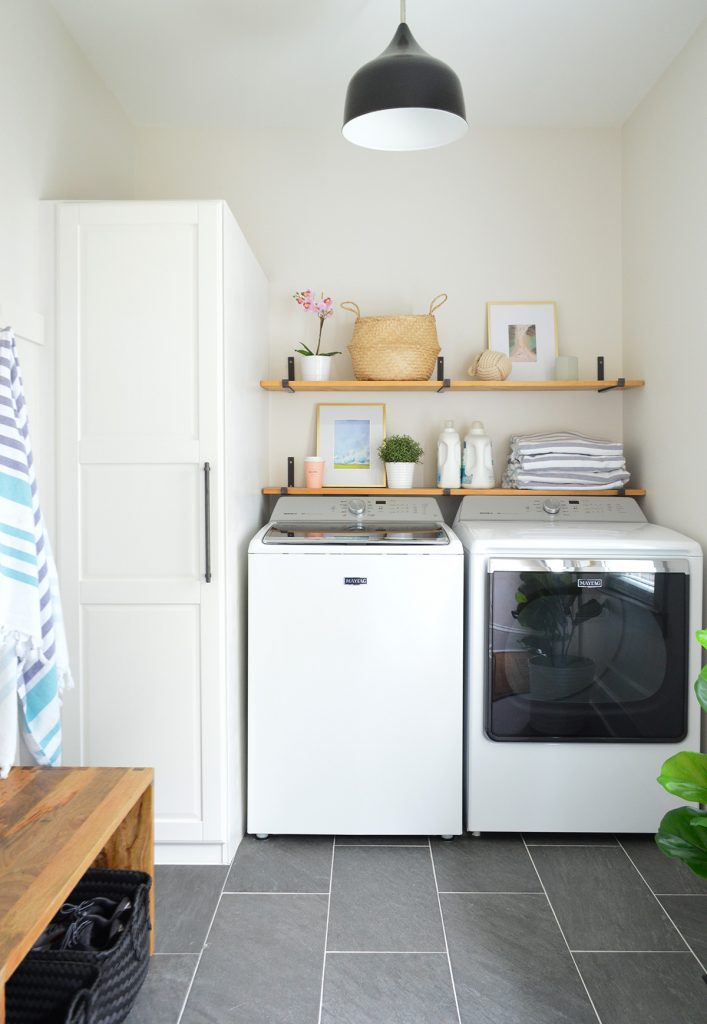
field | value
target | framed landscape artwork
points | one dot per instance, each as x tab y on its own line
527	333
348	436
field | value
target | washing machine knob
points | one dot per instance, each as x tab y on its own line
357	506
552	507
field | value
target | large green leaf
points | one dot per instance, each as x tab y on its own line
699	821
678	837
702	637
685	775
588	611
701	688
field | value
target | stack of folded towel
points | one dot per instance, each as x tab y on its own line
565	461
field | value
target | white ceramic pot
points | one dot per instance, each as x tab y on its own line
558	682
400	474
315	367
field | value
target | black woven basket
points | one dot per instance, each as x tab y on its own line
122	969
50	993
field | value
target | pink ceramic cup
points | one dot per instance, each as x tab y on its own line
313	471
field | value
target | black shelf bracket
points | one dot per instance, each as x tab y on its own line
290	471
447	491
620	383
446	385
621	492
283	491
290	375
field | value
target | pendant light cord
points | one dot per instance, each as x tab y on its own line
402	12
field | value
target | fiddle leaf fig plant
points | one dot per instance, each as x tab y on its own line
549	609
683	831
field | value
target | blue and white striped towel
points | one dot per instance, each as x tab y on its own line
34	664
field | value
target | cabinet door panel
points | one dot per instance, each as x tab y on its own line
141	522
142	699
138	309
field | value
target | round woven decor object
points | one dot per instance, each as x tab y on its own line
394	347
491	366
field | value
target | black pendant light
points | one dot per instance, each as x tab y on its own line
404	99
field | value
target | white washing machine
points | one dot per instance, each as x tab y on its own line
579	663
355	678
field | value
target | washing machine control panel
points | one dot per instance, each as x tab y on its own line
561	508
367	508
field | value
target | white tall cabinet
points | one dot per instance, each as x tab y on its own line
162	448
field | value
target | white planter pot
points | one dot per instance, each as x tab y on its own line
315	367
558	682
400	474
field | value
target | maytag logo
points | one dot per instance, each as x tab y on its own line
590	582
355	581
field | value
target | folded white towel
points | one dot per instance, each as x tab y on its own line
565	442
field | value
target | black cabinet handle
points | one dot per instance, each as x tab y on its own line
207	521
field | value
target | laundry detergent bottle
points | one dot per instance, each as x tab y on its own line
477	464
449	457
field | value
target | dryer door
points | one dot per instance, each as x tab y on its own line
584	650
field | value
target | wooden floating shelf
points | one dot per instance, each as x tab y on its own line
451	385
437	492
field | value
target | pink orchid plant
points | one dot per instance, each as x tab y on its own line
323	308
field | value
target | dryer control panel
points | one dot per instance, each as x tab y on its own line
549	508
354	508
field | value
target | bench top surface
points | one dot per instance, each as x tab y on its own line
53	824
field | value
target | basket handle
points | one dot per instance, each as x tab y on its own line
350	307
434	305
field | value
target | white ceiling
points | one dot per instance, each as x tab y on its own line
273	63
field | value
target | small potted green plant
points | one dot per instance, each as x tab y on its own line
401	454
550	609
315	365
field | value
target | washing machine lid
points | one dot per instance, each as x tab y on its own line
362	534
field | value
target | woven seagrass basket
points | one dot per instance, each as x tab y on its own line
394	347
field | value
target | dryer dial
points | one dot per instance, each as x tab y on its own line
552	506
357	506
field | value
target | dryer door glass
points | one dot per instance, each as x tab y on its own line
587	651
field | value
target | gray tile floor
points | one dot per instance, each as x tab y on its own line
535	929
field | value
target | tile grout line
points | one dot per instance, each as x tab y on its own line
488	892
205	942
444	932
377	846
326	931
641	952
564	937
386	952
269	892
682	895
650	890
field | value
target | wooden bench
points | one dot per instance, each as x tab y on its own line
55	823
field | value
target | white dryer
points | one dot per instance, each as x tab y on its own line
355	678
579	664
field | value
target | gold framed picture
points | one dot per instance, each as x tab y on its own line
348	436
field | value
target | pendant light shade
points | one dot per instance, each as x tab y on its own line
404	99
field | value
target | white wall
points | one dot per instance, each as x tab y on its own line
665	282
62	135
504	214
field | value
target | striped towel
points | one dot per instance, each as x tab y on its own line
564	442
34	664
565	461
